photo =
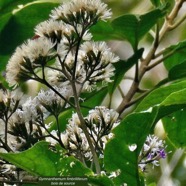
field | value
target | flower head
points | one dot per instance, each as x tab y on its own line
85	12
52	29
28	112
27	57
97	61
100	121
9	101
153	150
53	102
38	51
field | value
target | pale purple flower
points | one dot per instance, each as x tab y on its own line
153	150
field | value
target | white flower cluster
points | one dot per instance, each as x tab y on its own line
52	102
25	128
18	121
100	122
9	101
153	150
82	11
62	48
62	57
29	56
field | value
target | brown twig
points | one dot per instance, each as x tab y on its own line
151	54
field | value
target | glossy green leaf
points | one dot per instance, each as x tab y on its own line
152	184
42	160
156	3
118	156
4	3
92	99
8	6
103	31
70	166
156	97
174	102
175	98
4	20
178	71
134	129
176	55
100	181
133	27
175	128
121	68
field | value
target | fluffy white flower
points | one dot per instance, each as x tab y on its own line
56	78
29	110
14	66
90	10
100	121
75	122
53	102
27	57
99	48
51	140
50	28
97	60
39	49
102	114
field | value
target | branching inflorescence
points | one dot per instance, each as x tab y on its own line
63	57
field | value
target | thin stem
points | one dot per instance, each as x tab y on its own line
76	55
170	19
5	146
175	25
63	67
145	62
84	128
6	130
159	53
136	72
50	134
159	61
59	131
121	91
61	96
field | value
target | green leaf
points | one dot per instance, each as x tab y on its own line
93	99
156	97
133	27
152	184
177	54
100	181
118	156
156	3
8	6
41	160
175	98
4	3
178	71
175	127
70	166
121	68
134	129
103	31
